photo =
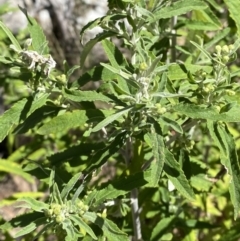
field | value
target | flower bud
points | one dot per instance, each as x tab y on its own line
225	59
230	92
225	49
218	49
231	47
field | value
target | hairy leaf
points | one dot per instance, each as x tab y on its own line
88	47
180	71
229	159
110	229
31	227
234	9
158	147
70	185
208	113
38	37
178	8
83	225
174	172
78	95
29	202
120	187
64	122
111	118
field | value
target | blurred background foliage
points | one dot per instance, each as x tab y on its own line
209	218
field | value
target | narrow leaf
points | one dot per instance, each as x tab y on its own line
78	96
158	147
19	111
11	37
111	118
78	221
31	227
162	227
14	168
178	8
176	175
110	229
64	122
69	186
180	71
233	7
36	33
32	203
229	159
208	113
88	47
168	95
173	124
120	187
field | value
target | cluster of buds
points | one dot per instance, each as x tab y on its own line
223	53
57	212
33	59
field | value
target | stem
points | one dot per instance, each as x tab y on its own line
135	215
134	197
173	39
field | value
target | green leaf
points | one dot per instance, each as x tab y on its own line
219	36
38	38
201	183
78	95
233	7
78	221
32	203
74	153
36	117
200	25
95	74
178	8
110	229
64	122
157	164
77	193
118	71
229	159
120	187
70	185
21	221
14	168
88	47
56	194
11	37
168	95
11	117
111	118
202	50
174	172
116	59
67	226
102	155
173	124
162	227
180	71
19	111
208	113
31	227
